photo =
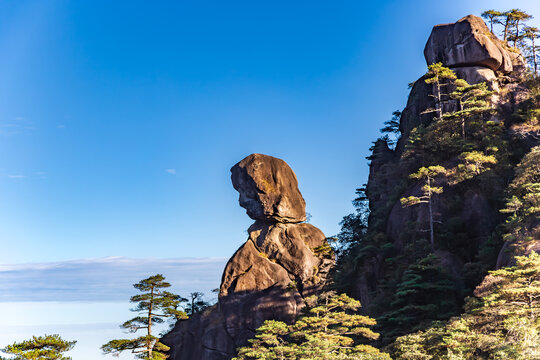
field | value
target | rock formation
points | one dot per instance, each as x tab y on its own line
282	261
469	48
268	189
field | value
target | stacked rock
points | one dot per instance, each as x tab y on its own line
472	51
283	261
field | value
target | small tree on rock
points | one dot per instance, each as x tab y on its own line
493	17
196	303
438	75
472	101
532	34
518	18
427	175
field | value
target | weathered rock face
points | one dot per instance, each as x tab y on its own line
477	74
275	254
468	42
282	262
268	189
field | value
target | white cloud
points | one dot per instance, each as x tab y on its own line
16	176
171	171
105	279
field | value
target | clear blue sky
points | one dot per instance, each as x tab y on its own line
119	120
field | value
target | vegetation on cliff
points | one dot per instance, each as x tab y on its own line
502	321
330	329
452	196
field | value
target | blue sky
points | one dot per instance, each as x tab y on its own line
119	122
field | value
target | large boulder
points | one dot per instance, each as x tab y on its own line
276	254
268	189
468	42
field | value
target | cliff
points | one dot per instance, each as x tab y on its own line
469	227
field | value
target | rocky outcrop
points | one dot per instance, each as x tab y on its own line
473	52
468	42
283	261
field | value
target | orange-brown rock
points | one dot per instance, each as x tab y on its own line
268	189
276	255
468	42
281	263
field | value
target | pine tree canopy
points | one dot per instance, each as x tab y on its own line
47	347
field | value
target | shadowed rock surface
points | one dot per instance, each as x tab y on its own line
282	262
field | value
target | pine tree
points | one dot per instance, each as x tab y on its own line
523	203
196	303
474	164
517	17
391	127
154	306
47	347
532	34
330	330
472	101
493	17
425	293
502	321
438	75
427	175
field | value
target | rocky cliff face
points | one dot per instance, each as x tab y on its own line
282	261
475	55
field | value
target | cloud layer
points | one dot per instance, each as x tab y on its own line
106	279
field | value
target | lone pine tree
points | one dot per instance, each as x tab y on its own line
154	306
427	175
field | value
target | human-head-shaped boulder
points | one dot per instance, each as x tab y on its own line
268	189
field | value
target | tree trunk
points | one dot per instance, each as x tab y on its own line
431	235
438	106
150	322
462	121
517	34
534	57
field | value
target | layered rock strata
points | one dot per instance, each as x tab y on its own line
283	261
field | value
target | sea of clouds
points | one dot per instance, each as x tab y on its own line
105	279
86	300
